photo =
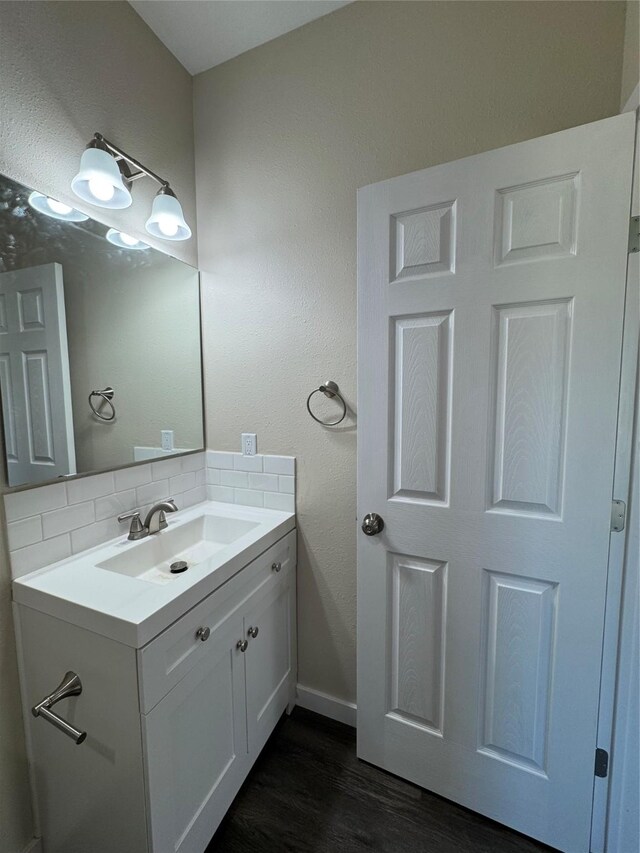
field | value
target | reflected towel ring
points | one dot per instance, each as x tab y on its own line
107	395
329	389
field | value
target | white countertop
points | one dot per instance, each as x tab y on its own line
134	611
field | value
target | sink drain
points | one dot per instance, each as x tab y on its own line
178	566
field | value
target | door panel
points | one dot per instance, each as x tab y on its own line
491	299
268	660
194	777
34	375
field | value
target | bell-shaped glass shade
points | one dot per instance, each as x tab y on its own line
124	240
99	180
167	219
56	209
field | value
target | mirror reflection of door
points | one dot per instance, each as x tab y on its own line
34	375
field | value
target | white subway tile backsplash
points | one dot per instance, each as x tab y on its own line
220	493
34	501
194	462
238	479
51	522
166	468
68	518
95	534
247	463
286	485
215	459
89	488
151	492
276	500
129	478
25	532
182	483
279	465
266	482
193	496
248	497
26	560
114	505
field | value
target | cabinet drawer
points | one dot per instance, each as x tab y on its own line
172	654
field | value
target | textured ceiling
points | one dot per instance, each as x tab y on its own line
204	33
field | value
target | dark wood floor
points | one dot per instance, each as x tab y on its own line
308	793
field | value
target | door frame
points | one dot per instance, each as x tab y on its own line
628	403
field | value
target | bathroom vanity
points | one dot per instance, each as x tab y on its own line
183	676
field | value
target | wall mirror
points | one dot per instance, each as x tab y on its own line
100	350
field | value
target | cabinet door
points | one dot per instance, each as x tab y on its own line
196	746
268	660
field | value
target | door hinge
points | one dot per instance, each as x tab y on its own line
618	516
634	234
602	763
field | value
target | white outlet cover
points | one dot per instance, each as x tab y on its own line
249	446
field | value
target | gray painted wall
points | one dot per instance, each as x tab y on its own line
285	134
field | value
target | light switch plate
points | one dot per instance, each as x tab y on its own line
166	439
249	444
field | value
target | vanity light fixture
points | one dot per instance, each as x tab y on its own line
167	219
105	178
125	241
56	209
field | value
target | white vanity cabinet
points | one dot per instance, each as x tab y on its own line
173	727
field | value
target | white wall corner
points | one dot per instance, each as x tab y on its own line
328	706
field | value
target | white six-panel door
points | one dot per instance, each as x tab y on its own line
34	375
491	295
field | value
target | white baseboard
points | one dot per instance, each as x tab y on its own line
34	846
328	706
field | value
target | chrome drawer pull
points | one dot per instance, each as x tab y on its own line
253	632
69	686
242	645
203	634
276	566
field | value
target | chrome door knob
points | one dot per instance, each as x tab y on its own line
242	645
203	634
372	524
253	632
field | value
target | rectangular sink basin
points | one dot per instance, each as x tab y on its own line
192	542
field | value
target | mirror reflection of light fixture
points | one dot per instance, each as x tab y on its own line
125	241
56	209
167	219
105	177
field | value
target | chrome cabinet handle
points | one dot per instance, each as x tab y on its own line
203	634
69	686
242	645
253	632
372	524
276	566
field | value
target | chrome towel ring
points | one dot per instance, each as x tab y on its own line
329	389
107	395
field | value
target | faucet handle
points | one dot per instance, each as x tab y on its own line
135	513
136	529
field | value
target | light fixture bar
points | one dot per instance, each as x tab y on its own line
131	161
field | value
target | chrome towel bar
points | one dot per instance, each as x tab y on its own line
69	686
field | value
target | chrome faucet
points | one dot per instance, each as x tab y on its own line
155	521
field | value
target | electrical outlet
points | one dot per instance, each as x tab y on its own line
166	439
249	444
